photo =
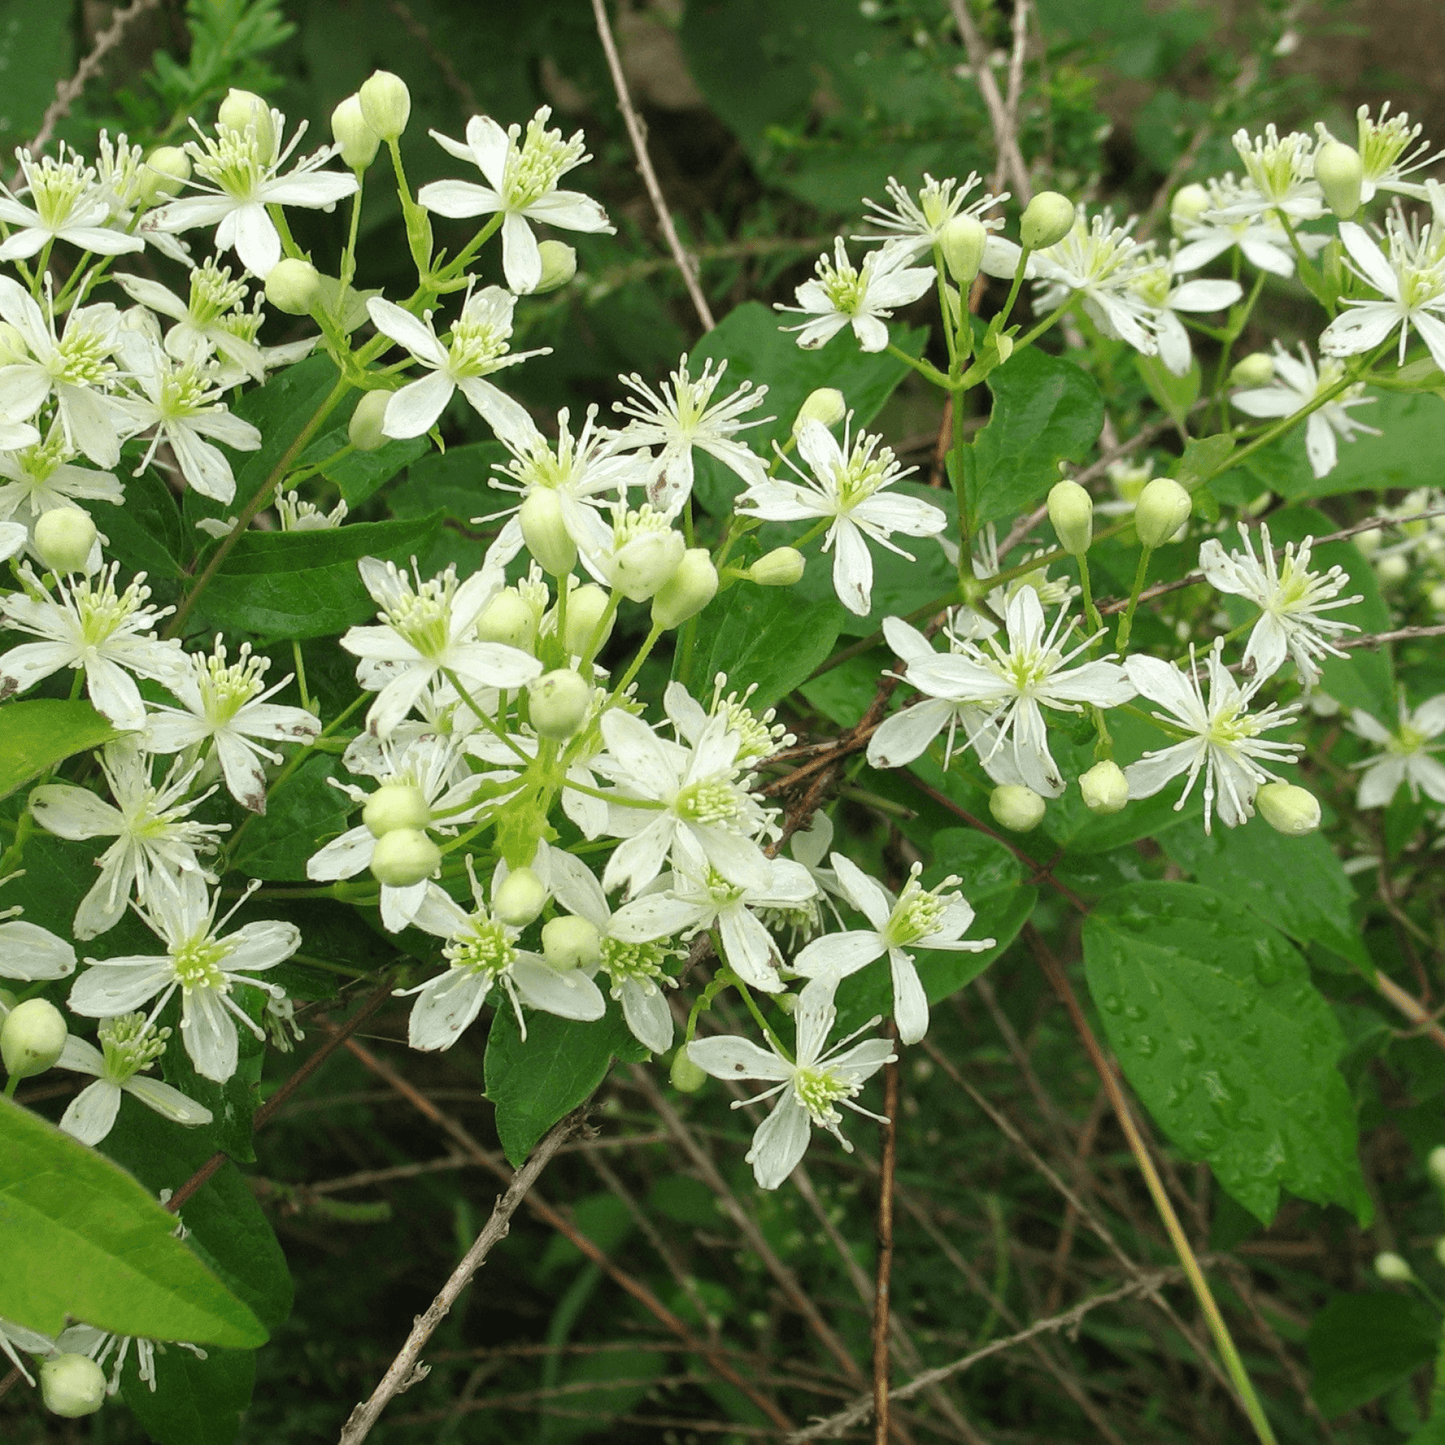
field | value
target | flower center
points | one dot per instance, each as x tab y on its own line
198	965
486	949
101	610
56	187
82	357
129	1046
1275	165
1383	142
184	392
477	342
1407	741
226	690
917	914
533	168
864	473
844	286
818	1090
213	293
1231	725
423	618
641	961
233	161
713	801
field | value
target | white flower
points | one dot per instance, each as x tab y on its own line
97	1345
1232	220
635	969
1290	598
906	734
40	478
226	706
237	170
1159	289
66	204
811	1087
477	347
1225	742
639	553
30	953
521	184
1282	169
1296	384
482	954
916	227
919	918
205	966
428	630
680	416
205	325
759	737
89	625
1102	263
128	1047
1411	281
864	297
1008	686
15	1337
298	516
848	485
1383	144
155	845
1407	757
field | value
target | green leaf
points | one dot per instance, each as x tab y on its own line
80	1237
533	1083
304	812
1044	410
36	735
1215	1021
1297	884
37	45
194	1402
1176	395
1203	457
1362	1344
360	475
760	635
281	410
146	531
291	585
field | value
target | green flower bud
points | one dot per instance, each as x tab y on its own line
72	1386
1162	509
509	618
687	591
781	567
569	942
386	104
165	171
32	1037
1392	570
1105	788
557	703
404	856
1392	1268
519	898
293	286
393	806
643	564
1189	203
1288	809
544	528
962	244
64	537
687	1077
245	110
358	142
559	266
364	431
1341	175
586	607
826	404
1047	219
1017	808
1071	510
1256	369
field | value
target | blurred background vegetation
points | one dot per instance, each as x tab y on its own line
768	120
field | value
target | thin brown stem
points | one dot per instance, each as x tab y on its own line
882	1290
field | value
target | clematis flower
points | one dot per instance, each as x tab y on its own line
1103	264
906	734
1166	294
862	297
810	1087
1233	219
66	203
40	478
521	175
1408	756
1282	171
918	226
115	1350
847	485
1411	283
205	323
1388	153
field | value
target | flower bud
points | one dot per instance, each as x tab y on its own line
72	1386
1341	174
393	806
1071	510
559	266
519	898
781	567
643	564
827	405
1017	808
64	537
364	431
1256	369
509	618
165	171
586	607
293	286
1392	1268
544	527
1189	203
32	1037
1370	540
245	110
12	346
1288	809
569	942
687	591
687	1077
557	703
1435	1166
403	857
386	104
1047	219
1105	788
962	243
357	141
1393	569
1162	509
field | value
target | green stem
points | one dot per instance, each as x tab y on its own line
484	717
923	368
1126	623
1096	623
642	655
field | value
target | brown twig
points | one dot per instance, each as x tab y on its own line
882	1290
406	1370
1010	160
637	134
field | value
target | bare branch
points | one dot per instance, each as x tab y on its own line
1011	165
